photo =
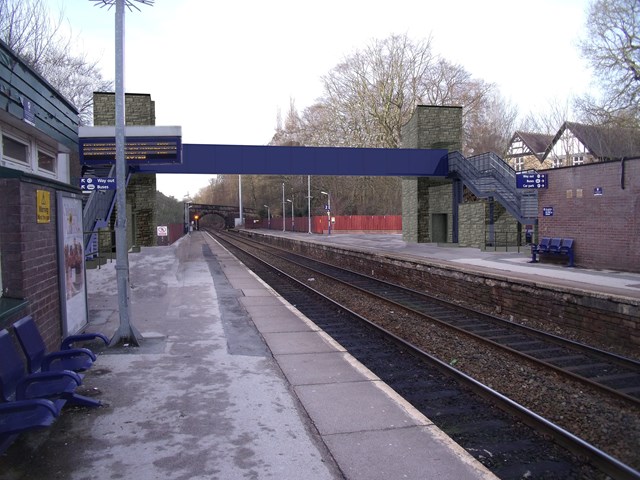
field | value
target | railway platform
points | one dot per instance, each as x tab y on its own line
230	382
510	263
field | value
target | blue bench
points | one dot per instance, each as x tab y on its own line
22	415
19	410
553	246
67	358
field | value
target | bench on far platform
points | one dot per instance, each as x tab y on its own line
553	246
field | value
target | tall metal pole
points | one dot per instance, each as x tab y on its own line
293	227
328	194
309	200
268	217
126	333
284	215
240	199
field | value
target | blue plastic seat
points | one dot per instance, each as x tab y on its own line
543	246
16	384
554	245
567	245
23	415
35	350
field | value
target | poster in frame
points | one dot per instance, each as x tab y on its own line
71	263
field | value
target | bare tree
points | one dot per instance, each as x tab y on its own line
371	94
490	127
549	122
26	27
613	50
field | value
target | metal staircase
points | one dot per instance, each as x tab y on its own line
487	175
97	211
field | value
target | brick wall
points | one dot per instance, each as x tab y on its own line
30	256
606	228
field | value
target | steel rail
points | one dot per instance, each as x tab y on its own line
571	442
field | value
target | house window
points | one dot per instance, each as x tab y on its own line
15	150
578	159
46	161
557	162
518	164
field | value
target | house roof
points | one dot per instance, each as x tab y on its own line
537	143
603	142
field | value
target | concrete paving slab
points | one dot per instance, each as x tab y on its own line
280	323
353	407
317	368
413	453
299	342
255	292
235	271
261	301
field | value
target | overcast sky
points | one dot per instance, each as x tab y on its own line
223	70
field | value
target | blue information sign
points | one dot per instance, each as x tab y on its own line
547	211
91	184
531	180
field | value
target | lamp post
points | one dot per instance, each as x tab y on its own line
268	217
293	220
240	201
126	333
284	215
309	197
328	209
187	208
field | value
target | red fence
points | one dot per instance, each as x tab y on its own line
174	232
342	224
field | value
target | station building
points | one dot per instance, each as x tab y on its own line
41	231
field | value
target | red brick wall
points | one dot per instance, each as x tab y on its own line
30	256
606	228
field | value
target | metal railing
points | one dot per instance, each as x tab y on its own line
509	240
487	175
98	207
105	250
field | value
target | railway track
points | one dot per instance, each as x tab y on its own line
617	375
504	445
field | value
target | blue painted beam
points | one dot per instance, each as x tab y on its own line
277	160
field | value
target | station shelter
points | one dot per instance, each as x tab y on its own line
41	228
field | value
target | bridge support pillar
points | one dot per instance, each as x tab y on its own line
430	127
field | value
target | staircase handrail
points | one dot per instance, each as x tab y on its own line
499	178
97	207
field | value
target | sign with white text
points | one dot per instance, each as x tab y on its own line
92	184
531	180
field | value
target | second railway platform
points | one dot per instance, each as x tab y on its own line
511	264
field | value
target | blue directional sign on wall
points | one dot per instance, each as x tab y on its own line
531	180
91	184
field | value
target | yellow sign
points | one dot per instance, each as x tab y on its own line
43	207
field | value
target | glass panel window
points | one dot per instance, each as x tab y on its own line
578	160
46	161
557	162
15	150
518	164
